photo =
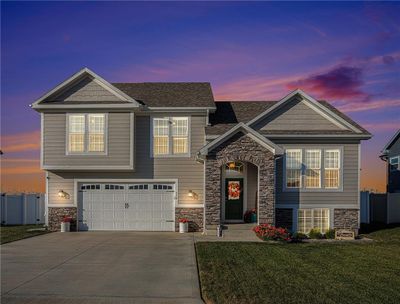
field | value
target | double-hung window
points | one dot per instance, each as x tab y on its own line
171	136
394	163
313	168
293	168
86	133
332	169
308	219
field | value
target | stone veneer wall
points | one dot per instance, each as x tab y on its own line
57	214
194	215
284	218
346	219
240	148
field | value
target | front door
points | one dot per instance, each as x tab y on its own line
234	199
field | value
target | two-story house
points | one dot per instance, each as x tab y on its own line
391	154
140	156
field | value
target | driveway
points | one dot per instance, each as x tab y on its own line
100	267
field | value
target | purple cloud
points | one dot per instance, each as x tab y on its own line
338	83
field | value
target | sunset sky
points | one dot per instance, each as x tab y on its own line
347	53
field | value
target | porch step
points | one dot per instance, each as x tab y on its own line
244	227
232	232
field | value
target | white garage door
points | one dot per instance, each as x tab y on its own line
140	207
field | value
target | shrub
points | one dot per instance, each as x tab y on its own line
315	233
268	232
298	237
330	234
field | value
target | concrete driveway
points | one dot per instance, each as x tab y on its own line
100	267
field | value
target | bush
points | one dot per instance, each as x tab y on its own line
315	233
330	234
268	232
298	237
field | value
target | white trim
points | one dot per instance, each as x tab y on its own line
46	201
86	135
190	206
315	205
41	140
249	132
298	136
313	102
94	167
99	80
85	106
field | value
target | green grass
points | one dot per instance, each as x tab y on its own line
15	233
302	273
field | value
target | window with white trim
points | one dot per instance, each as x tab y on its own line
293	168
308	219
76	135
313	168
394	163
86	133
332	169
171	136
96	132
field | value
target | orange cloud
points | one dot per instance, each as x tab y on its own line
28	141
19	174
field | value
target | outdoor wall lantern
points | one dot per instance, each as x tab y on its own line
63	194
192	195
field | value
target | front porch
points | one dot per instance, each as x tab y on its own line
240	176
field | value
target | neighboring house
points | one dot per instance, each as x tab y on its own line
139	156
391	154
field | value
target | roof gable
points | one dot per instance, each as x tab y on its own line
296	114
241	127
84	87
313	104
395	137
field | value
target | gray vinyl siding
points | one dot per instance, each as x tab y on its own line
252	182
348	196
188	172
55	141
86	90
395	148
296	115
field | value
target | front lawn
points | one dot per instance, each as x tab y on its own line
15	233
302	273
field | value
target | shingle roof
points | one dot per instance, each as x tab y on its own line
170	94
229	113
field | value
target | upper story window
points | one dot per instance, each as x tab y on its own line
394	163
171	136
293	168
313	168
86	133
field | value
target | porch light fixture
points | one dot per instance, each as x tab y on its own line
63	194
232	165
192	194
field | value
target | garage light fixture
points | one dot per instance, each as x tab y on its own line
63	194
192	195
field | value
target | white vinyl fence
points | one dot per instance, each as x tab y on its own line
22	209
